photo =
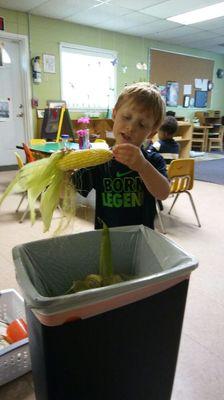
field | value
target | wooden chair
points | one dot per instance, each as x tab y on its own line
181	175
216	141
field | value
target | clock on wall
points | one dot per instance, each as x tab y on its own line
220	73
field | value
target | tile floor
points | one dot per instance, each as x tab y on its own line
200	367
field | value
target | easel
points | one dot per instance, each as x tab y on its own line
55	123
60	124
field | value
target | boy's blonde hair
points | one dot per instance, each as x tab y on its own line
147	95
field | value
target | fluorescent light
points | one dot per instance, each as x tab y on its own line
199	15
101	3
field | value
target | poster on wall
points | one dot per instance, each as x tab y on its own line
2	24
186	102
172	93
162	91
49	63
4	110
200	99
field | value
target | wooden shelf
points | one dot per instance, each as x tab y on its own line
210	117
97	126
185	130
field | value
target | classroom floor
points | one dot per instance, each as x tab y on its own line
199	374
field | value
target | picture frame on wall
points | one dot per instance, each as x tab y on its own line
172	93
186	102
56	103
40	113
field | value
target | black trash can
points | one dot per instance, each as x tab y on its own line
119	342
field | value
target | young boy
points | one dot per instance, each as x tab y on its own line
166	145
127	186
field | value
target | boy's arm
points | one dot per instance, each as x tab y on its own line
155	182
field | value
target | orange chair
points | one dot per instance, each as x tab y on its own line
28	153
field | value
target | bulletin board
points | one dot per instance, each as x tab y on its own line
166	66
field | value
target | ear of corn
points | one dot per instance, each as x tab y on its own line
84	159
48	178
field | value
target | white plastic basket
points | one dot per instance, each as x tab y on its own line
15	358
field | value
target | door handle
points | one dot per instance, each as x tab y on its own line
21	114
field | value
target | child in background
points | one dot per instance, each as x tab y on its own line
166	145
127	186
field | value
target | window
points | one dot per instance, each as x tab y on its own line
88	77
4	56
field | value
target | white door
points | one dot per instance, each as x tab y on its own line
12	128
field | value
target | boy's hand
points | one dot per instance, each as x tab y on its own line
129	155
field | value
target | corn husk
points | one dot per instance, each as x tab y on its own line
43	180
106	276
48	178
106	264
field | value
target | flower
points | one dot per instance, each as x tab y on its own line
82	132
84	120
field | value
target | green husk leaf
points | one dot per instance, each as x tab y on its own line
41	178
67	204
106	265
50	199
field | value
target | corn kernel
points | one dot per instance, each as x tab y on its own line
84	159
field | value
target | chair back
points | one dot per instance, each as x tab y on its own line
19	160
37	141
181	175
28	153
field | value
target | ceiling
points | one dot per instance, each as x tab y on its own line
145	18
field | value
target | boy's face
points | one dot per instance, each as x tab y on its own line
132	124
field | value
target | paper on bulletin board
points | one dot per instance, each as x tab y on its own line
204	87
187	89
198	83
4	110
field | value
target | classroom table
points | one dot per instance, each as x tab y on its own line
51	147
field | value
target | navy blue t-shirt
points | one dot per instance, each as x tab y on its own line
121	196
169	149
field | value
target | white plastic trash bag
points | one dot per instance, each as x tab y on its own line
45	270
